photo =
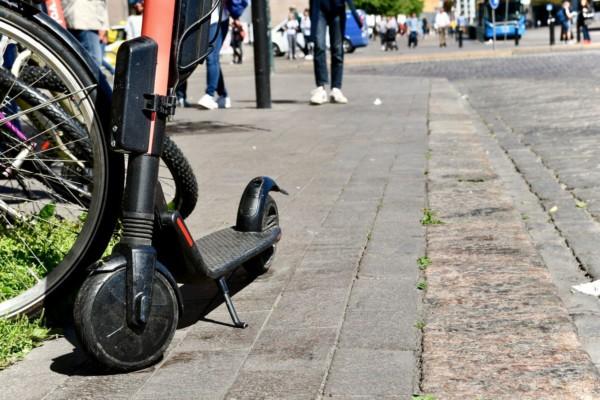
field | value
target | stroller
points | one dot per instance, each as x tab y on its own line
390	40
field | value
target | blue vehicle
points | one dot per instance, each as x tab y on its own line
354	36
515	24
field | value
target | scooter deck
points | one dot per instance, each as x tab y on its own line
225	250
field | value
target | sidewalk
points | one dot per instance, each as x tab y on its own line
336	315
339	315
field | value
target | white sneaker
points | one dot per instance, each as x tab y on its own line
309	57
224	102
318	96
337	96
208	102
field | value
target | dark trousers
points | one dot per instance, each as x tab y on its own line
335	24
238	52
214	75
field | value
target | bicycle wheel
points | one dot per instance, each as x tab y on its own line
178	180
60	187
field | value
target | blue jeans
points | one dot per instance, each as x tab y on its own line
214	75
91	42
335	23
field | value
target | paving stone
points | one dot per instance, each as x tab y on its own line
367	372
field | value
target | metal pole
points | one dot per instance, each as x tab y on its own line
551	27
506	21
494	29
262	71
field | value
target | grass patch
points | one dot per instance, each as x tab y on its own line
423	397
422	285
423	262
30	250
18	336
420	325
430	217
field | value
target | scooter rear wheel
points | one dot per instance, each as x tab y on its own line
261	263
101	325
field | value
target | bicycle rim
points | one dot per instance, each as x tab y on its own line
52	172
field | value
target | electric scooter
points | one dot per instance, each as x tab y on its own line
127	310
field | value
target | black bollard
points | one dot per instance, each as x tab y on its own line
262	71
551	27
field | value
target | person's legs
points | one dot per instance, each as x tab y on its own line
221	90
586	33
337	51
320	62
212	62
289	40
91	42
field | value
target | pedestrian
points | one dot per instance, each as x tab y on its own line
412	24
425	26
382	27
441	23
329	14
391	31
291	30
584	14
133	28
87	20
305	28
564	17
461	24
237	39
215	83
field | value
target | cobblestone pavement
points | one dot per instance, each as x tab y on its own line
495	327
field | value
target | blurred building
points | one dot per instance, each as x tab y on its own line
429	6
467	7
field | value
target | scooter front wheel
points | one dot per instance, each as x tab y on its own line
101	323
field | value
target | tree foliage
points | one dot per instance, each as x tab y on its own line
390	7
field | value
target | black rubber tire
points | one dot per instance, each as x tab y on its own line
101	325
30	74
348	48
186	186
261	263
108	174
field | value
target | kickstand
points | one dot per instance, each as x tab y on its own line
234	316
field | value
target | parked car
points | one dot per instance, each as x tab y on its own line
354	36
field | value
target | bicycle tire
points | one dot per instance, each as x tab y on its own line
30	75
186	186
107	167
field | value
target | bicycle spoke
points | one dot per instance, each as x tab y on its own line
40	134
53	100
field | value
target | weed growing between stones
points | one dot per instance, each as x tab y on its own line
423	262
430	217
